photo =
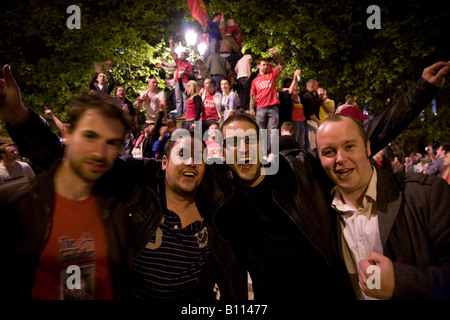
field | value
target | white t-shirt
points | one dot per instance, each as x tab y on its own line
242	66
19	170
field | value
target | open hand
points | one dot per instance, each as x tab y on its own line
12	109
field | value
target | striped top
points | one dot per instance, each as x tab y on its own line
169	266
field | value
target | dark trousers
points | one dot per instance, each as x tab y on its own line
244	92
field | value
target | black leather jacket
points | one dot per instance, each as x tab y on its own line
140	184
146	205
302	189
27	207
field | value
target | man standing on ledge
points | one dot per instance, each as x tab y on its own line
264	97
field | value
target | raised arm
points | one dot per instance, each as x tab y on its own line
276	56
36	141
386	127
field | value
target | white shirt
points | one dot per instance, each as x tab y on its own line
242	66
19	170
360	231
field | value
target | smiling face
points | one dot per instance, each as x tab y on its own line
183	176
225	86
345	155
241	151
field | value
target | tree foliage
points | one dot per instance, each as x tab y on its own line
327	40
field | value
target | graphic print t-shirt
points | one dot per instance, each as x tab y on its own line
264	87
77	238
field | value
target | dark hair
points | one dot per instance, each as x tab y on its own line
287	82
171	143
213	82
288	126
239	117
99	101
446	147
227	80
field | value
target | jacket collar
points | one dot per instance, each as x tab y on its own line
43	187
389	201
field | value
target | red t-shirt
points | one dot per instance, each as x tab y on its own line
264	87
183	66
210	110
190	109
354	112
214	150
77	237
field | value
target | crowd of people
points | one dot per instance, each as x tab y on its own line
143	218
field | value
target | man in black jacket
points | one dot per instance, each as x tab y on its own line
100	77
57	222
297	198
281	225
162	213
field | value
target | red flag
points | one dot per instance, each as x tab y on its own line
198	11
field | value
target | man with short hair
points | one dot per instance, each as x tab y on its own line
100	77
214	35
435	167
380	216
281	225
162	218
264	102
184	72
11	169
414	165
60	221
128	107
311	106
152	99
212	103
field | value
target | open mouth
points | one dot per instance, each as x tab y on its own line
189	174
344	172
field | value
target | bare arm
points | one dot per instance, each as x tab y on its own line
61	126
281	62
294	84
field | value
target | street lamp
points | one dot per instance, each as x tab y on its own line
179	49
191	39
201	48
